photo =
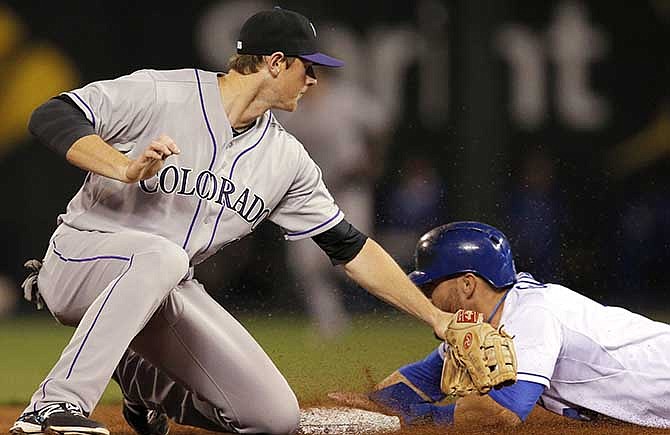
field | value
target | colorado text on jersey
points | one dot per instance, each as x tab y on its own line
210	187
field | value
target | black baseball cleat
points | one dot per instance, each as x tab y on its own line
68	419
27	423
145	421
57	419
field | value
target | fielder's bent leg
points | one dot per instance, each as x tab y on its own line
110	284
196	342
143	385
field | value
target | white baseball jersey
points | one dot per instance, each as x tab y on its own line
589	356
218	189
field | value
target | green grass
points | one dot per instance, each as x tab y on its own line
373	347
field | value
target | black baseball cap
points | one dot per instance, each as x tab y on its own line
282	30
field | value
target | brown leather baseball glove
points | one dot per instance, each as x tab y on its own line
478	357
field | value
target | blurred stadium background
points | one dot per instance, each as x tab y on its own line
548	119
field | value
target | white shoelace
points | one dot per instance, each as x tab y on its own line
56	408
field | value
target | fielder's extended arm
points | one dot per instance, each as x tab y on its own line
375	270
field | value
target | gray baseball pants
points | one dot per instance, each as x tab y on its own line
140	316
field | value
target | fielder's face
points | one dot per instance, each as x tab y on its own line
293	84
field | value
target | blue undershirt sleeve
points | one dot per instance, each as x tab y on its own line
401	399
519	398
410	407
426	375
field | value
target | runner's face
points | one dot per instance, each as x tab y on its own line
450	295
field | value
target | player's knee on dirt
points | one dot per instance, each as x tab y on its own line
278	417
285	418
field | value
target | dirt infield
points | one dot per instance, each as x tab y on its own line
539	423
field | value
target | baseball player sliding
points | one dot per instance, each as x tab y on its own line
575	357
181	163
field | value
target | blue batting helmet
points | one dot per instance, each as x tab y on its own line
460	247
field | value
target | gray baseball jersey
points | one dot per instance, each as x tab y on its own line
119	267
218	189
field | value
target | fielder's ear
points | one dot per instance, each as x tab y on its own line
274	62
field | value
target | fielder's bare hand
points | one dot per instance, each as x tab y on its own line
151	160
441	324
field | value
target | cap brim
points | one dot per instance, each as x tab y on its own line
322	59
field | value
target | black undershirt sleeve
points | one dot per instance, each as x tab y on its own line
59	123
342	242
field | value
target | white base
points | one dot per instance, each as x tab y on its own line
316	421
